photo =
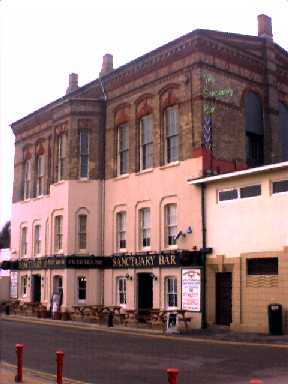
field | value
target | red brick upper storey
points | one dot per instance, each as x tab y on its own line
166	78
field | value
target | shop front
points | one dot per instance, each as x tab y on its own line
148	285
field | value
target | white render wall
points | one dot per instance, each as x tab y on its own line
247	225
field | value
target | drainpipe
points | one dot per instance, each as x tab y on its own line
204	245
103	193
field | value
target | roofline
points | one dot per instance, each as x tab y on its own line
232	175
205	32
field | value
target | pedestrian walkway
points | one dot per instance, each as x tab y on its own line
211	334
8	372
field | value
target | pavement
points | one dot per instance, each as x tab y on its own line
216	335
8	372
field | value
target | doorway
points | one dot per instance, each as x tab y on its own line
36	289
224	298
145	295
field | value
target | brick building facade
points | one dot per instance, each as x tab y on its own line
114	155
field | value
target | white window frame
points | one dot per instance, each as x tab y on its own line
27	179
84	154
122	151
277	193
60	157
146	147
121	290
24	285
24	242
80	289
170	225
40	171
58	233
171	292
238	190
37	239
170	137
121	230
144	228
82	232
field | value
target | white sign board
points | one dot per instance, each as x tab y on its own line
13	284
191	289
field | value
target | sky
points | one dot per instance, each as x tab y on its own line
42	41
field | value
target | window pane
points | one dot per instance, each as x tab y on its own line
250	191
172	121
262	266
228	195
280	186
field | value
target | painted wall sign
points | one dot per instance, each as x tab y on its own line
191	289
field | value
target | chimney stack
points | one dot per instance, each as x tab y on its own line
107	64
265	27
73	83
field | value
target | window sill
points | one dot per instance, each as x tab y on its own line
144	171
121	177
59	182
122	250
83	179
170	165
171	247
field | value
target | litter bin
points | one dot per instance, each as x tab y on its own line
110	319
275	319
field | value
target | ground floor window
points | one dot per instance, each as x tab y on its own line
171	292
24	286
82	287
121	291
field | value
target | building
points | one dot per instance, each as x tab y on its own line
4	275
102	212
246	217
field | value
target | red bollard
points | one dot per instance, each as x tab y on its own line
255	381
59	361
172	375
19	354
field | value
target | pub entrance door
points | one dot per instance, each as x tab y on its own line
36	288
145	296
224	298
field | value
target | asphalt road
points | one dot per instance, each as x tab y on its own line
101	357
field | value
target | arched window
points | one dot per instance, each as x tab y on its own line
283	115
171	130
254	130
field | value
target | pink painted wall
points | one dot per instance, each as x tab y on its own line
66	198
155	188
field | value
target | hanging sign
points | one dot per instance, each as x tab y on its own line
191	289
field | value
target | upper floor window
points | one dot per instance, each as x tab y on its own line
123	149
254	130
121	230
84	153
39	175
58	233
240	192
27	179
144	227
283	115
280	186
171	292
121	291
60	157
37	239
170	224
82	287
146	142
24	241
82	231
171	134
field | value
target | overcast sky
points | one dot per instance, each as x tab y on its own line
42	41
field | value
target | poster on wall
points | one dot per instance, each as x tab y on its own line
13	284
191	289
